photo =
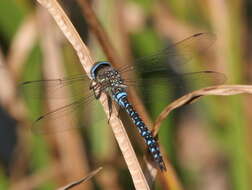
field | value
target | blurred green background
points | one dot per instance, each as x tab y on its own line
207	143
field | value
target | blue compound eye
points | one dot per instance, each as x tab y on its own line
97	67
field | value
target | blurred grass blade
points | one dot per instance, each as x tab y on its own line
75	183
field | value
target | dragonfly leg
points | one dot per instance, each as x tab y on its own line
97	92
96	89
92	85
109	107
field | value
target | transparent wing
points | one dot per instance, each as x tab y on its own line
62	105
60	114
164	69
178	54
78	84
176	85
174	55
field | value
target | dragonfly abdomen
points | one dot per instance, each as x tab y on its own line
121	99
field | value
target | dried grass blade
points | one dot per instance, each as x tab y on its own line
220	90
75	183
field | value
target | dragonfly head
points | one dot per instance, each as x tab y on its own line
98	66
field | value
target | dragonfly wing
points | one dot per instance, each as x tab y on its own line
60	113
176	85
55	88
174	55
73	89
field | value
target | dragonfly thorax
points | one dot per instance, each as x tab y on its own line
107	79
110	80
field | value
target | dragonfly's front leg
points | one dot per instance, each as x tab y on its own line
92	84
119	108
96	89
97	94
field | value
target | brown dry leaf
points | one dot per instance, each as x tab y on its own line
220	90
73	184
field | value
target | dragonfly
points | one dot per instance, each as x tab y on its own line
114	82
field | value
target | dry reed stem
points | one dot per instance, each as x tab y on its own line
163	22
113	57
73	184
110	52
12	103
98	31
87	62
8	96
72	157
20	48
220	90
171	178
6	83
14	106
167	179
169	26
219	17
23	41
